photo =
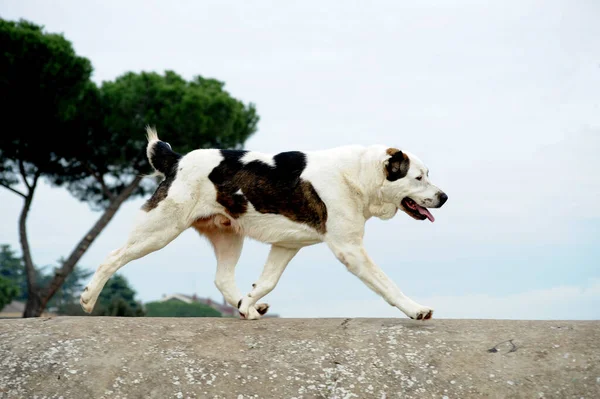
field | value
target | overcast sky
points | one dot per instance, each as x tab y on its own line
501	101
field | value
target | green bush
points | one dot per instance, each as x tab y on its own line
117	298
8	291
179	309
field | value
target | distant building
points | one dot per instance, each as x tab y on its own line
224	308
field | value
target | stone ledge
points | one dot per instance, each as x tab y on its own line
96	357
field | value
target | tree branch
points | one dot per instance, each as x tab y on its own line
62	273
36	176
6	186
24	174
100	179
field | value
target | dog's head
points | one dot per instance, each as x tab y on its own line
407	185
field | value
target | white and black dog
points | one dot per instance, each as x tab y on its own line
289	200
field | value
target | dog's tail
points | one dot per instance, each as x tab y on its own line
160	155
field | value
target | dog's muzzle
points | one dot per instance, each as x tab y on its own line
419	212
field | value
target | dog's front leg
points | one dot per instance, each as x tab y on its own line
355	258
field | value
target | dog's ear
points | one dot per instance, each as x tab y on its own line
397	165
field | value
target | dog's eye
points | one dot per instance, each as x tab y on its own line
419	178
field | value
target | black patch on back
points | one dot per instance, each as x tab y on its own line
165	161
278	189
224	179
397	166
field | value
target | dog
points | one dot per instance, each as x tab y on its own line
289	200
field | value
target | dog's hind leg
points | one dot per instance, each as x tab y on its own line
152	232
228	248
278	259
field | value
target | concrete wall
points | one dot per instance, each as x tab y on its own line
93	357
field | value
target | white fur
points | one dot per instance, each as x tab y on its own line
350	180
152	136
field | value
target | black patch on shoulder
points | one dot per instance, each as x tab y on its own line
165	161
270	189
397	166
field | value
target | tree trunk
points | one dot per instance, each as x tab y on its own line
61	274
33	297
33	307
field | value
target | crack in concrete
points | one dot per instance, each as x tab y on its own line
345	323
513	348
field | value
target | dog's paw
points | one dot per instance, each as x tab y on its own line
248	312
262	308
86	302
422	313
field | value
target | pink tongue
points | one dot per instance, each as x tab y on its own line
425	212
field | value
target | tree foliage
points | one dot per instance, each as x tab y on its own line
12	270
42	81
179	309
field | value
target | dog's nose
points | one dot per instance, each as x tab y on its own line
443	198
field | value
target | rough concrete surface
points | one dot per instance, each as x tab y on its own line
96	357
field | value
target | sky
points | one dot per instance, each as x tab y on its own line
500	100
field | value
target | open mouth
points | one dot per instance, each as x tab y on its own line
415	210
